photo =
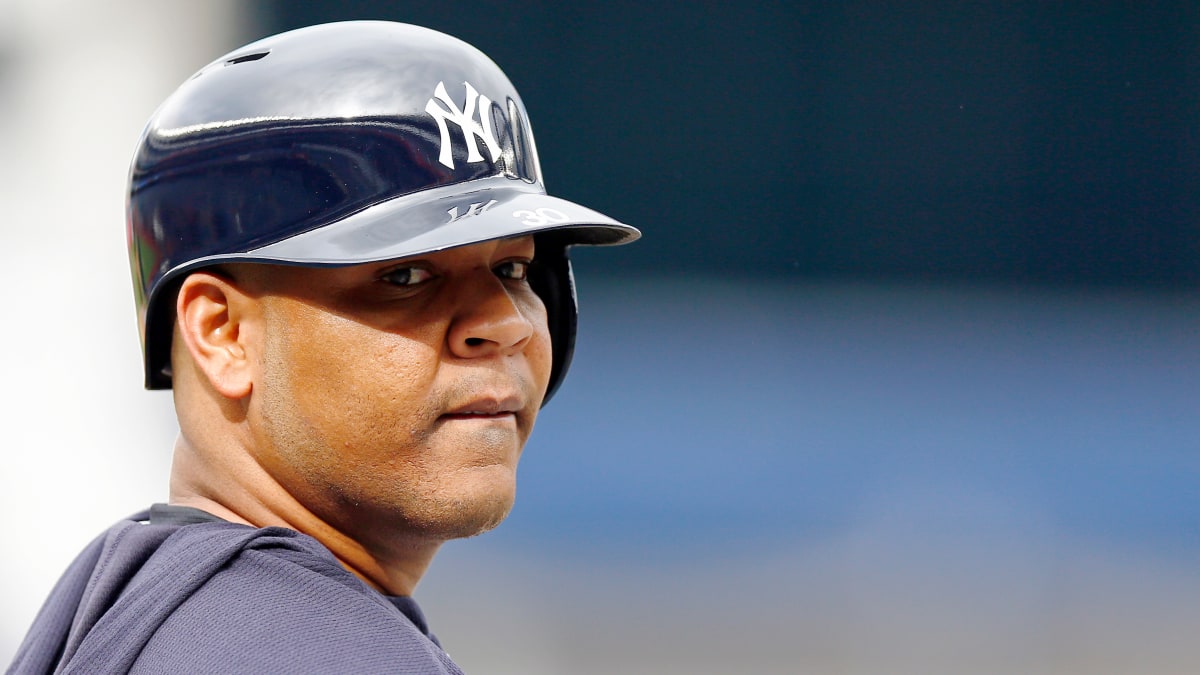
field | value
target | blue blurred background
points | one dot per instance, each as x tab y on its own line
902	377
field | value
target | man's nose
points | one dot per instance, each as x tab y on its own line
490	320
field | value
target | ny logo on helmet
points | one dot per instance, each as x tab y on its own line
465	118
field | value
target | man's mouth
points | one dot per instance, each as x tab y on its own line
476	416
499	407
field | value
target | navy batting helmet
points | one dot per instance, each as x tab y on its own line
343	144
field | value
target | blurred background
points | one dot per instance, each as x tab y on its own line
903	377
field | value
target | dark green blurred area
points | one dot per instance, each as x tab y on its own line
1016	142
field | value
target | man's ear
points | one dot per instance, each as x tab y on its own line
211	314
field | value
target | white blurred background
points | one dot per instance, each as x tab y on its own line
779	476
78	80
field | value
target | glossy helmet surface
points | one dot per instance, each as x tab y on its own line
343	144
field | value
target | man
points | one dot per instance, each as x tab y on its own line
348	271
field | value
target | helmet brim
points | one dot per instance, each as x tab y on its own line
434	220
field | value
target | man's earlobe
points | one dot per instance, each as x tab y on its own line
210	311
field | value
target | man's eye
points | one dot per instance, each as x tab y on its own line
513	269
407	276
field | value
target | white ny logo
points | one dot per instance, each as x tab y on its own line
465	119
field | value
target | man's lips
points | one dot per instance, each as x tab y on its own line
486	408
477	416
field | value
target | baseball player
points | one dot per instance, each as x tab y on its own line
348	270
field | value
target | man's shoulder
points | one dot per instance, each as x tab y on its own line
255	571
282	602
221	597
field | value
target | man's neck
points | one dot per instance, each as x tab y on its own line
246	495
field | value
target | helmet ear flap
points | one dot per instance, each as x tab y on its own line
160	331
550	277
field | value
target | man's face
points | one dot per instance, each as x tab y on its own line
395	398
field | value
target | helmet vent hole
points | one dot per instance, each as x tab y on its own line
247	57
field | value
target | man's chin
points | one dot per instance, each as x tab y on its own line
481	525
462	518
458	526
